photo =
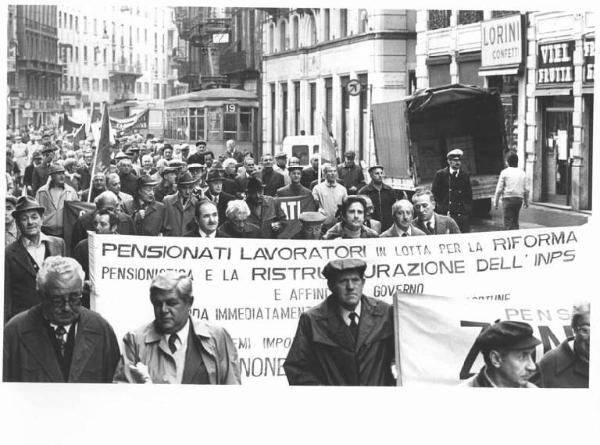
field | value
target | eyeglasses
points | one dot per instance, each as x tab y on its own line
585	329
60	300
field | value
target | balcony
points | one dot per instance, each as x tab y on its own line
51	68
123	69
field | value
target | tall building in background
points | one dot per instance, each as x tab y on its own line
34	70
115	54
311	56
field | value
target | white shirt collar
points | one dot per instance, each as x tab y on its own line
203	234
182	335
345	312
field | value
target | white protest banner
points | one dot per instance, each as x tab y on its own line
257	289
436	334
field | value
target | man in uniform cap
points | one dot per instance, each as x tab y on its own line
312	224
507	348
180	207
451	189
348	339
350	174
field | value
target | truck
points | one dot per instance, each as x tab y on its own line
412	137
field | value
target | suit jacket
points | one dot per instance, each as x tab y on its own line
19	275
178	217
451	194
29	355
270	212
481	380
224	198
324	352
208	345
562	368
154	219
443	225
39	177
392	232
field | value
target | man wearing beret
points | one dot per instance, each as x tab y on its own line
507	348
452	191
23	258
348	339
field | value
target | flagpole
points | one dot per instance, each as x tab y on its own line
93	172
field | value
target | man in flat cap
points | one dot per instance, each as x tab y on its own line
23	258
148	214
348	339
180	207
568	365
312	225
507	348
452	191
350	174
52	197
173	348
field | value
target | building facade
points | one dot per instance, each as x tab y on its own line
34	69
115	54
310	58
542	66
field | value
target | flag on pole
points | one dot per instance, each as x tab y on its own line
327	150
102	156
79	135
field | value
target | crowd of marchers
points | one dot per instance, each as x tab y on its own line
153	188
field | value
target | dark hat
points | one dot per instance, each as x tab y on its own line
214	175
513	335
350	154
168	170
372	167
25	203
457	153
48	148
312	217
254	185
281	155
186	178
335	267
146	180
11	199
56	168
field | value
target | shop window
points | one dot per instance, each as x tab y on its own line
438	18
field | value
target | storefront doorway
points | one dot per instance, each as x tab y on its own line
556	146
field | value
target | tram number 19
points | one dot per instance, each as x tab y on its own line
230	108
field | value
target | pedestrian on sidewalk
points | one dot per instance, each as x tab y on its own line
512	187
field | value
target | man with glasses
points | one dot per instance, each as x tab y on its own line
568	365
58	340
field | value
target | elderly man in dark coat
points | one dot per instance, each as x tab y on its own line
271	179
180	207
23	258
265	211
148	214
58	340
348	339
568	365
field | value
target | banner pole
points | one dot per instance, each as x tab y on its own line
396	340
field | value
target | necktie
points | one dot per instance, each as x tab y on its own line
172	346
404	233
429	227
59	333
353	325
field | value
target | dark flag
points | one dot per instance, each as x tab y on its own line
292	207
102	158
79	135
72	211
69	124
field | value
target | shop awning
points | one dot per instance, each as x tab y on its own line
508	70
